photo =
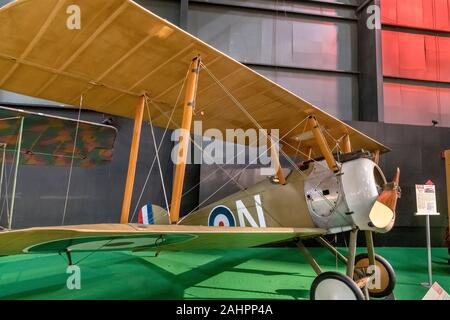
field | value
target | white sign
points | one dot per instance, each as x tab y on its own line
426	200
436	292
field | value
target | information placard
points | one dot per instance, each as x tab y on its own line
426	200
436	292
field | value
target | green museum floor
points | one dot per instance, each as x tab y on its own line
257	273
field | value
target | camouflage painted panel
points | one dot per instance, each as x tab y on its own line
49	140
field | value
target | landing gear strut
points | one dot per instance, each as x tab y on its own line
335	286
382	277
367	275
68	255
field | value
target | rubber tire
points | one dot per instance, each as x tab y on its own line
337	276
389	271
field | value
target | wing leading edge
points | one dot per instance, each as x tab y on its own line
130	237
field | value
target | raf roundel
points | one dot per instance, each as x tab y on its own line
221	216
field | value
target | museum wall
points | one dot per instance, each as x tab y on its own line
416	61
300	51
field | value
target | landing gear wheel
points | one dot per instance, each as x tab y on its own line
335	286
386	279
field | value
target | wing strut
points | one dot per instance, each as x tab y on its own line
276	160
323	145
126	205
183	140
347	144
309	154
376	157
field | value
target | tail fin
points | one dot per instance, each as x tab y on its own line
152	214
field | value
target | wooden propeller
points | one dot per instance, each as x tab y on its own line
383	211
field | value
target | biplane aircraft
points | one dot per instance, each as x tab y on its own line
126	61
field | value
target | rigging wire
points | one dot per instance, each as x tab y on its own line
2	174
291	130
93	252
297	152
196	145
225	184
237	103
256	123
249	116
7	181
250	145
242	170
199	147
66	200
160	144
157	154
231	177
6	195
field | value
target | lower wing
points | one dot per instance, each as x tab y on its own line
131	237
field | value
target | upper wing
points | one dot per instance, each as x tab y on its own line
121	237
49	140
122	51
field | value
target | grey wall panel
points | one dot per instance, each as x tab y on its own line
266	38
342	2
337	94
282	7
168	9
216	183
326	45
7	97
370	68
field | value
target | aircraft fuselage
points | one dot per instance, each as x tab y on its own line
313	197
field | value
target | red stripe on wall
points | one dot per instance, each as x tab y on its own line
424	14
416	56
